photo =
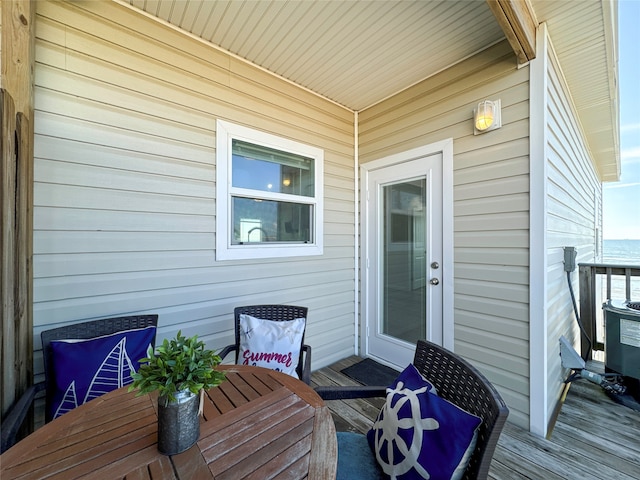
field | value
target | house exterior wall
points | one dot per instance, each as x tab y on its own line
124	202
491	205
573	210
124	193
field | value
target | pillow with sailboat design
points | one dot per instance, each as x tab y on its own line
87	368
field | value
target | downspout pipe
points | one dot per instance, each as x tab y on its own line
356	255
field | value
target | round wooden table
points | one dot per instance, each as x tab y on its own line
257	424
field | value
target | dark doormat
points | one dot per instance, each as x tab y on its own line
371	373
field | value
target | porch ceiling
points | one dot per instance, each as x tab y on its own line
357	53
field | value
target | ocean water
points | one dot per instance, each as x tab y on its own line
626	252
622	252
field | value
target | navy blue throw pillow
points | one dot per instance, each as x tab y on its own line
87	368
419	435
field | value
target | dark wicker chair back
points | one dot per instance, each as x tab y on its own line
13	424
85	330
457	381
274	313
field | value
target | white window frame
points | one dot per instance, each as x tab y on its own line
225	133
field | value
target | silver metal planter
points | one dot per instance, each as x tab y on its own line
178	423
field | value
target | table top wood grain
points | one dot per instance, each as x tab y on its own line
258	424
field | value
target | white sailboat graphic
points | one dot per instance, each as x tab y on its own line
69	402
114	372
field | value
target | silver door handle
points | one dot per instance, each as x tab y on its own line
434	281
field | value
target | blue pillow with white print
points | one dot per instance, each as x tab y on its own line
419	435
87	368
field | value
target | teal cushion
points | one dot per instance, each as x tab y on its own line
355	458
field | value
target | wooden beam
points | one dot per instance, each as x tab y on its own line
7	246
23	288
519	24
17	18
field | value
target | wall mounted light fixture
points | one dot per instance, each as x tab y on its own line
486	117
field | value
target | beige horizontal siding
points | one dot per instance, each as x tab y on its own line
125	193
491	204
573	203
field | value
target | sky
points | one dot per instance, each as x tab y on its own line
621	200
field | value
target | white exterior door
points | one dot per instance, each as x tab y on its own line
403	255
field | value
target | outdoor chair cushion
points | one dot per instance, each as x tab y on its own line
420	435
355	460
269	344
87	368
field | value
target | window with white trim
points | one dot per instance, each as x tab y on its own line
269	195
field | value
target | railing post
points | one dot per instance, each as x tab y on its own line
587	277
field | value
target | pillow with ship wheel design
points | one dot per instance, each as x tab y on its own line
419	435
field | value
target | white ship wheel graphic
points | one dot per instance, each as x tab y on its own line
386	430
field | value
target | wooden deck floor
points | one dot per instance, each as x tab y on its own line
593	438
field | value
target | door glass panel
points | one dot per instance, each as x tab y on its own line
404	261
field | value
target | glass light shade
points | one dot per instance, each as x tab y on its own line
485	114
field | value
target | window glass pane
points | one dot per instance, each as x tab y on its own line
266	169
266	221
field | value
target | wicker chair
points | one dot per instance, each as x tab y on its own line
274	313
458	382
17	415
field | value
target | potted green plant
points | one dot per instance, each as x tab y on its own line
179	371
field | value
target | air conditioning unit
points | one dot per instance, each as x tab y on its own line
622	337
